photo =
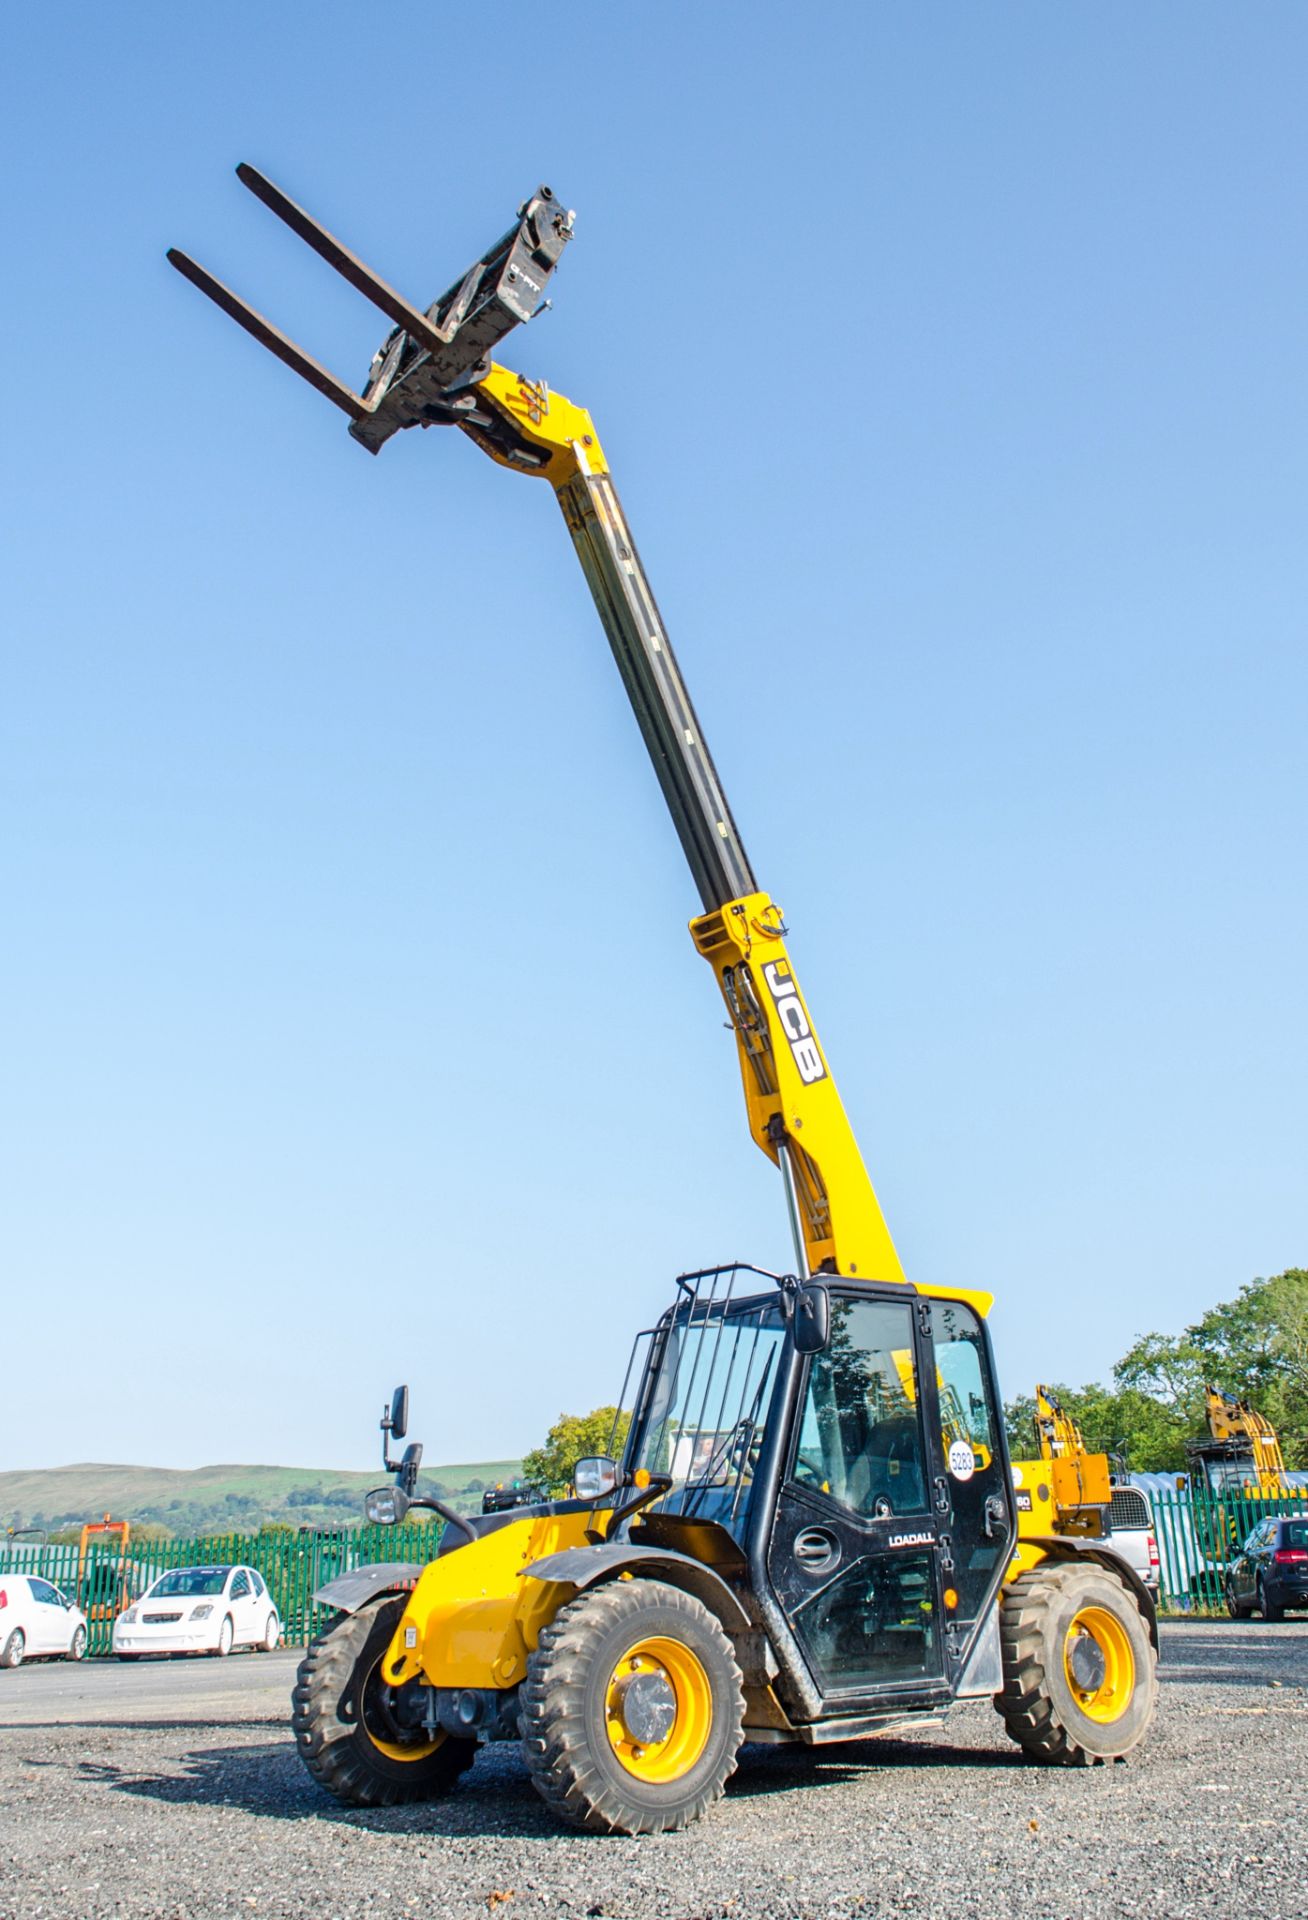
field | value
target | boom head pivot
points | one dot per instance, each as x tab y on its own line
426	370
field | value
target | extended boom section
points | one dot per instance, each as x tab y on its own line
435	369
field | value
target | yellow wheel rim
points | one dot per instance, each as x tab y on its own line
374	1713
1099	1664
657	1678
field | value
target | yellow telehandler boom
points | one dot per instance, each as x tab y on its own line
813	1532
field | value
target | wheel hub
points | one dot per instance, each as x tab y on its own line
1086	1663
648	1707
658	1707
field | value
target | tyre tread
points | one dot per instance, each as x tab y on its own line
554	1740
1030	1714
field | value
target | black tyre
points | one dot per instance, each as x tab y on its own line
77	1645
1233	1607
226	1634
1080	1671
1269	1612
632	1709
272	1633
350	1726
11	1655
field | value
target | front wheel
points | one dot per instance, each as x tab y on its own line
1233	1607
226	1633
1080	1671
77	1645
632	1709
14	1647
359	1737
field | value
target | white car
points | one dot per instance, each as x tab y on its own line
199	1610
37	1620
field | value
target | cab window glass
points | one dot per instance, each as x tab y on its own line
860	1437
966	1409
240	1587
969	1445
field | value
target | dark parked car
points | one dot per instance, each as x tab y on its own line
1271	1570
504	1499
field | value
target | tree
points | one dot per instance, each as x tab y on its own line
573	1437
1254	1347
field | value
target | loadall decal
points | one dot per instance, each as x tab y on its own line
790	1011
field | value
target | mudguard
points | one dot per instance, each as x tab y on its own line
1064	1547
582	1566
350	1591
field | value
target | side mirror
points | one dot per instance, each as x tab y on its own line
409	1467
399	1422
594	1476
812	1319
386	1506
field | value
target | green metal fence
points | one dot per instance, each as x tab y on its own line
1199	1535
108	1577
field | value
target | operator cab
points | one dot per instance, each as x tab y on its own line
838	1447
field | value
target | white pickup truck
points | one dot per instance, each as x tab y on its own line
1134	1535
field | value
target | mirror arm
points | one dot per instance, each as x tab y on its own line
449	1516
659	1483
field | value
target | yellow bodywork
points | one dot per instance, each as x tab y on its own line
473	1617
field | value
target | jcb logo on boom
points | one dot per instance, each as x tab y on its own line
790	1012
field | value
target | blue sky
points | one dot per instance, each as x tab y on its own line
950	362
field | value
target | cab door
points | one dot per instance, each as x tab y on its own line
854	1552
972	1496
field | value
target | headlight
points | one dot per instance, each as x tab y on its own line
129	1618
201	1613
386	1506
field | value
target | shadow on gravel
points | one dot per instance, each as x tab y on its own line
270	1782
497	1797
782	1769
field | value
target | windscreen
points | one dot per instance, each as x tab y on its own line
189	1582
713	1369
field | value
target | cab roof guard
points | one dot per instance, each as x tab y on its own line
422	373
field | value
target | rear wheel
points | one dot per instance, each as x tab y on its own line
632	1709
1233	1607
1080	1671
14	1648
272	1633
1269	1612
351	1727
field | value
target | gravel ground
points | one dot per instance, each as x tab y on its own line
176	1791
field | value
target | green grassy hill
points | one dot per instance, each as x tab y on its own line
220	1498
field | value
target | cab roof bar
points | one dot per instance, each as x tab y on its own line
429	352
